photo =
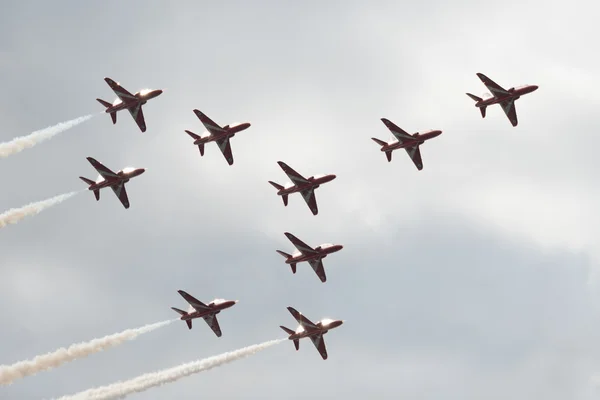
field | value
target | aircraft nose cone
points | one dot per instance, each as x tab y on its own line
534	87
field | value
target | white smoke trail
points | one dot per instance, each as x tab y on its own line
24	142
9	373
14	215
147	381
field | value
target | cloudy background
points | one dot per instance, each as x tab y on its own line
474	278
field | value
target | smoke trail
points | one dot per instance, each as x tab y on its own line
14	215
147	381
24	142
9	373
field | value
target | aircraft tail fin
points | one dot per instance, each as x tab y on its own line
91	182
106	104
291	332
482	109
378	141
280	187
201	148
388	154
293	268
181	312
475	98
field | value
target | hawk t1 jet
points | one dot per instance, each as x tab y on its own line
206	311
306	253
311	330
506	98
220	135
115	180
306	186
406	141
130	102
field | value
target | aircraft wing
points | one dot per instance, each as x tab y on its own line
295	177
302	320
102	170
212	321
509	109
415	155
398	133
317	265
194	302
225	148
319	343
121	193
300	245
310	199
138	116
492	86
208	123
123	94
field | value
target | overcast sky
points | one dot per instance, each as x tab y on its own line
476	277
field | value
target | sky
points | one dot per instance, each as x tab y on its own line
477	277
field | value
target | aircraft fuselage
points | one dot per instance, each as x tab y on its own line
123	177
322	253
418	139
214	309
228	132
514	94
140	99
321	330
313	183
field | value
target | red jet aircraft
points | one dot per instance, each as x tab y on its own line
506	98
116	181
130	102
218	134
207	311
308	329
306	186
306	253
406	141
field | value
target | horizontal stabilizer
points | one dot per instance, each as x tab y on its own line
192	134
482	109
201	149
378	141
293	268
475	98
388	154
86	180
287	330
104	103
283	253
181	312
276	185
285	199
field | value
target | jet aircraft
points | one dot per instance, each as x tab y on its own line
116	181
130	102
308	329
506	98
206	311
218	134
306	186
406	141
306	253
